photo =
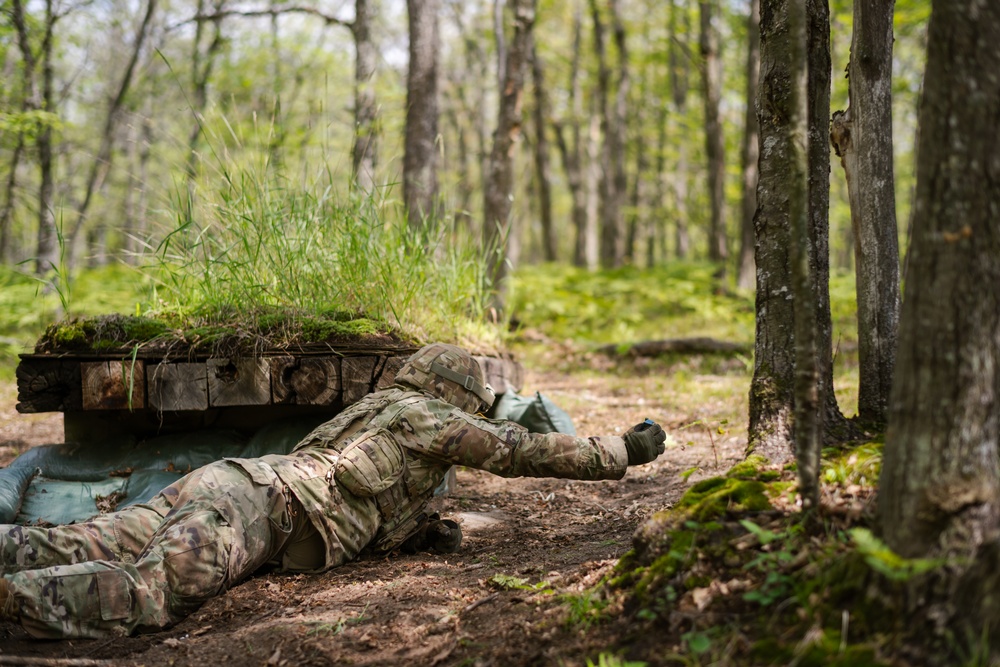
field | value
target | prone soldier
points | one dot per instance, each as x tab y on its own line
361	481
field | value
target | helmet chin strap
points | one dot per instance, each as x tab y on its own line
485	394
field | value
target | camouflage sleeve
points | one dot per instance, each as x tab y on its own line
505	448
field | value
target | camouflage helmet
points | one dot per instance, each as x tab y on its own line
449	373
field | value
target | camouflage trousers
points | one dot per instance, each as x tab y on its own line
148	566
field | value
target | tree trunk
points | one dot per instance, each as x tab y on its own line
612	223
751	150
420	156
772	400
47	258
101	165
808	425
572	155
542	172
201	71
863	138
6	213
836	427
498	188
715	143
680	58
939	494
47	251
365	152
772	387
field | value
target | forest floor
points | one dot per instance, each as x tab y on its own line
520	589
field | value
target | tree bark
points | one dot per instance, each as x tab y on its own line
6	213
939	493
498	188
679	60
542	171
364	154
772	387
48	235
751	150
612	186
808	425
836	427
47	249
201	71
420	156
863	138
772	399
715	144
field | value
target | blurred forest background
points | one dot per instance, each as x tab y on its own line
127	125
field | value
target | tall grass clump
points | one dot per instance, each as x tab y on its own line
260	242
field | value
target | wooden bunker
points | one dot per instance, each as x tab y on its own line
145	392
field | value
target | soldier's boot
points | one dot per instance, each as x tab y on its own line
444	536
436	535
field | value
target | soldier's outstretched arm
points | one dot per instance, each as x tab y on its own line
508	449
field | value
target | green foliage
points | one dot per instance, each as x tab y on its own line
584	609
506	582
629	304
776	585
29	123
885	561
26	308
607	660
714	497
859	465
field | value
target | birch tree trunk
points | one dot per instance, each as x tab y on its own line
419	154
498	186
862	136
939	493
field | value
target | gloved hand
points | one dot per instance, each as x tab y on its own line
644	442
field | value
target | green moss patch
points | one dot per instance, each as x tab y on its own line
714	497
217	333
736	572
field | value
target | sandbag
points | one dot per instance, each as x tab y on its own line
537	413
13	483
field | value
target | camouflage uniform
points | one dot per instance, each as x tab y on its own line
360	480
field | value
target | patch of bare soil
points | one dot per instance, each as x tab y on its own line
517	593
18	432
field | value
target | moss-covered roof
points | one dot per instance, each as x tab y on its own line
198	335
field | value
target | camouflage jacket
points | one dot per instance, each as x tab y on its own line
428	436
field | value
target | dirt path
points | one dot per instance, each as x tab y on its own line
554	538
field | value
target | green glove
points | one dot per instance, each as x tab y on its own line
644	442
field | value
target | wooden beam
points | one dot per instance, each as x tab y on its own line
305	380
244	381
182	386
357	377
113	385
48	385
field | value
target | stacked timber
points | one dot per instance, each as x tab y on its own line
150	389
65	383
